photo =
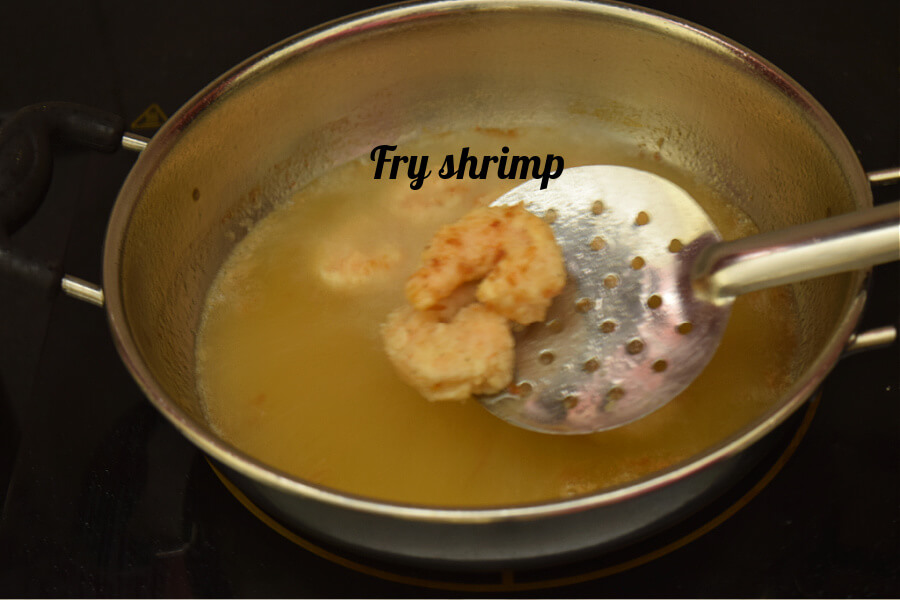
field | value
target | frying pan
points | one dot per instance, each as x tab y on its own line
327	95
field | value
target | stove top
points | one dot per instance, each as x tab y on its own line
102	497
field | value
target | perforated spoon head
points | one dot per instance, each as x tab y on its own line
627	334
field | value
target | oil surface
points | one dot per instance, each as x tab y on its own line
292	369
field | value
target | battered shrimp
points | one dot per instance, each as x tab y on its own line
350	267
436	201
355	257
455	341
510	250
472	353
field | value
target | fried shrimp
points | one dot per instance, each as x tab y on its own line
356	256
438	200
511	251
350	267
492	266
472	353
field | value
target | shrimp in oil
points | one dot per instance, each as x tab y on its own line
357	257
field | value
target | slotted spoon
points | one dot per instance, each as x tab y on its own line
649	292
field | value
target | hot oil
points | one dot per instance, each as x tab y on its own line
293	372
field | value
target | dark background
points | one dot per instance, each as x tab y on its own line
101	497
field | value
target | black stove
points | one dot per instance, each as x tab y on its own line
102	497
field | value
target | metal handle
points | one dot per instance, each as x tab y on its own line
134	142
843	243
872	339
80	289
880	337
830	246
884	176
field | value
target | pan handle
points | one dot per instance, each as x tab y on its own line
134	142
884	176
880	337
27	141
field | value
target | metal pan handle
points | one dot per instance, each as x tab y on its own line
884	176
880	337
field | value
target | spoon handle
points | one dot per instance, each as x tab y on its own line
843	243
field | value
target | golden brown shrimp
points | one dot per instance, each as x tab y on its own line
511	251
472	353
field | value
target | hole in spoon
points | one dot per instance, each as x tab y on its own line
642	218
584	305
615	393
685	328
523	388
637	263
675	246
635	346
654	301
610	281
660	366
597	207
608	326
550	216
570	402
598	243
546	357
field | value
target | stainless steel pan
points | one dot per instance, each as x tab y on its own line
264	129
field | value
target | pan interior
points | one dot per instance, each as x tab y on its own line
260	134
